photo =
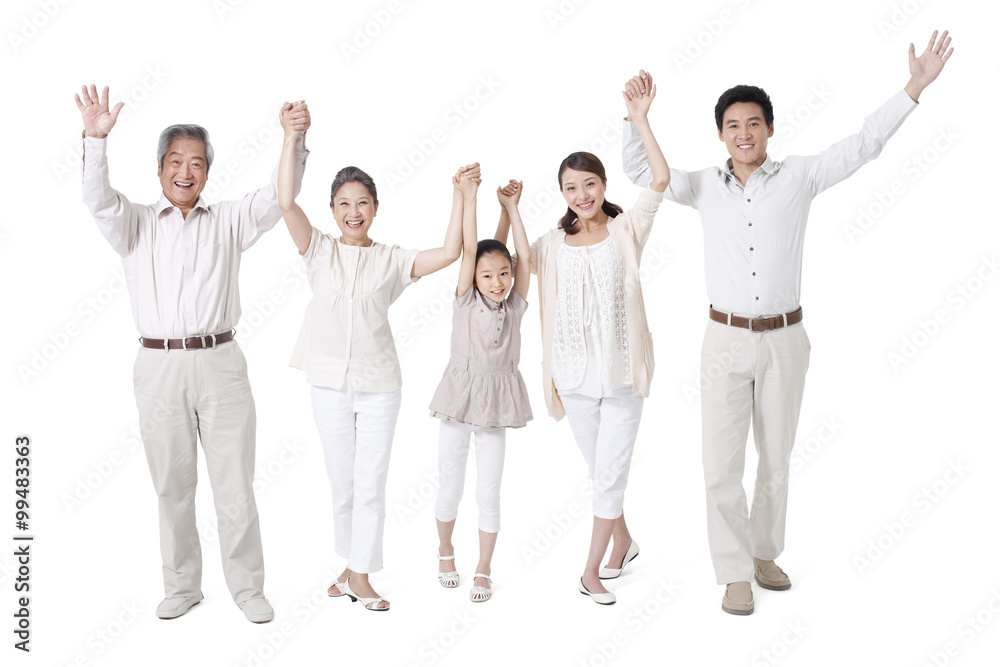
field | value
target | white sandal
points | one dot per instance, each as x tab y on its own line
481	593
448	579
339	585
366	602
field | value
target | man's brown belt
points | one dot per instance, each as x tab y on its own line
190	343
756	323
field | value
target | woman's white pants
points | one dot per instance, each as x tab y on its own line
356	430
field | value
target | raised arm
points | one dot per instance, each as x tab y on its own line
435	259
638	96
925	69
465	197
508	201
295	217
116	217
260	210
845	157
503	224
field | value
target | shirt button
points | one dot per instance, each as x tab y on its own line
749	224
748	200
756	298
498	328
755	273
751	247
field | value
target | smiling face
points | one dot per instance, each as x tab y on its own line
184	172
494	276
745	134
354	210
584	194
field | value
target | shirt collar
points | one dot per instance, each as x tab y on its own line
767	167
163	204
493	305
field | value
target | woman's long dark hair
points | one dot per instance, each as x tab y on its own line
583	161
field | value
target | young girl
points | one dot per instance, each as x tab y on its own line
348	352
482	392
597	355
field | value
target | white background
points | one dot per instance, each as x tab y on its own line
873	435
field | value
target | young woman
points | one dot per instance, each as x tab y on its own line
348	353
482	391
597	351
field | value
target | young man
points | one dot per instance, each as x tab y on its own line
182	262
754	216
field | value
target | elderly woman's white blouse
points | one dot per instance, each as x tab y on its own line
345	342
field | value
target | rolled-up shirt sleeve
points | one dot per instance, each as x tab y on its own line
117	218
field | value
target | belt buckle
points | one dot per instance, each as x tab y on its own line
184	343
212	336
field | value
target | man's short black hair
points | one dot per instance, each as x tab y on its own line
742	93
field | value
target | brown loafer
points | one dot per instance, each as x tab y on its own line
768	575
738	599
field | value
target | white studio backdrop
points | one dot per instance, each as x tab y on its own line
892	542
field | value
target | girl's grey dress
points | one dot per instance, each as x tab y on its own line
482	385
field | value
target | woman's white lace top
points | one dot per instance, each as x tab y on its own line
591	320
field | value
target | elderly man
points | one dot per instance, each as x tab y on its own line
754	212
182	260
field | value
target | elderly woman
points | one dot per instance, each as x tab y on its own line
348	353
597	351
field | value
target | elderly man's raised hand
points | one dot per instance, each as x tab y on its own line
97	118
